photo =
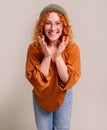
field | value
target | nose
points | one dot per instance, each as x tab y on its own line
52	26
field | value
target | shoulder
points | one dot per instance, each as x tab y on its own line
33	49
72	48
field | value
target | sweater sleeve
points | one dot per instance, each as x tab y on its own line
33	73
73	66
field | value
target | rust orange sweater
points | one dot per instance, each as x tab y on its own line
49	90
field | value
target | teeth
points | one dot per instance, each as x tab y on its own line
53	33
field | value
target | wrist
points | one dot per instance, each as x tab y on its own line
47	58
58	57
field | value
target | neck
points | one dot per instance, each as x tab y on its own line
54	44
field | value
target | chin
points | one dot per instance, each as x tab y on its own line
53	39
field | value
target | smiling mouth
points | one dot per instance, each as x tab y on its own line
53	34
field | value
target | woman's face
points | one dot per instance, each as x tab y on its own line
53	27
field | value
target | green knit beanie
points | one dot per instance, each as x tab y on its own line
53	7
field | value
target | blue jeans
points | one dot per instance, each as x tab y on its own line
58	120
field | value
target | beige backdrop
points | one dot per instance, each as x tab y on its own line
89	21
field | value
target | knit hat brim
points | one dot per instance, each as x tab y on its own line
53	7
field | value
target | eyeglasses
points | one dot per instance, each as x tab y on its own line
56	24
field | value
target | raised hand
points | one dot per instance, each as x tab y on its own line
44	46
62	46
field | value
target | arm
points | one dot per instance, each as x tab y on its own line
60	64
45	64
62	69
73	66
33	71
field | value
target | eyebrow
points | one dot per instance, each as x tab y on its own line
51	21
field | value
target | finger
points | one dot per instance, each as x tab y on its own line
67	40
39	39
63	39
43	39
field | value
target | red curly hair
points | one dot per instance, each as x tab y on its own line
39	28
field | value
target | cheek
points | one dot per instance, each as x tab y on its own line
45	30
61	30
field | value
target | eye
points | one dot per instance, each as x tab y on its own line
58	23
48	23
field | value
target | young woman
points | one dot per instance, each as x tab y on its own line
53	67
